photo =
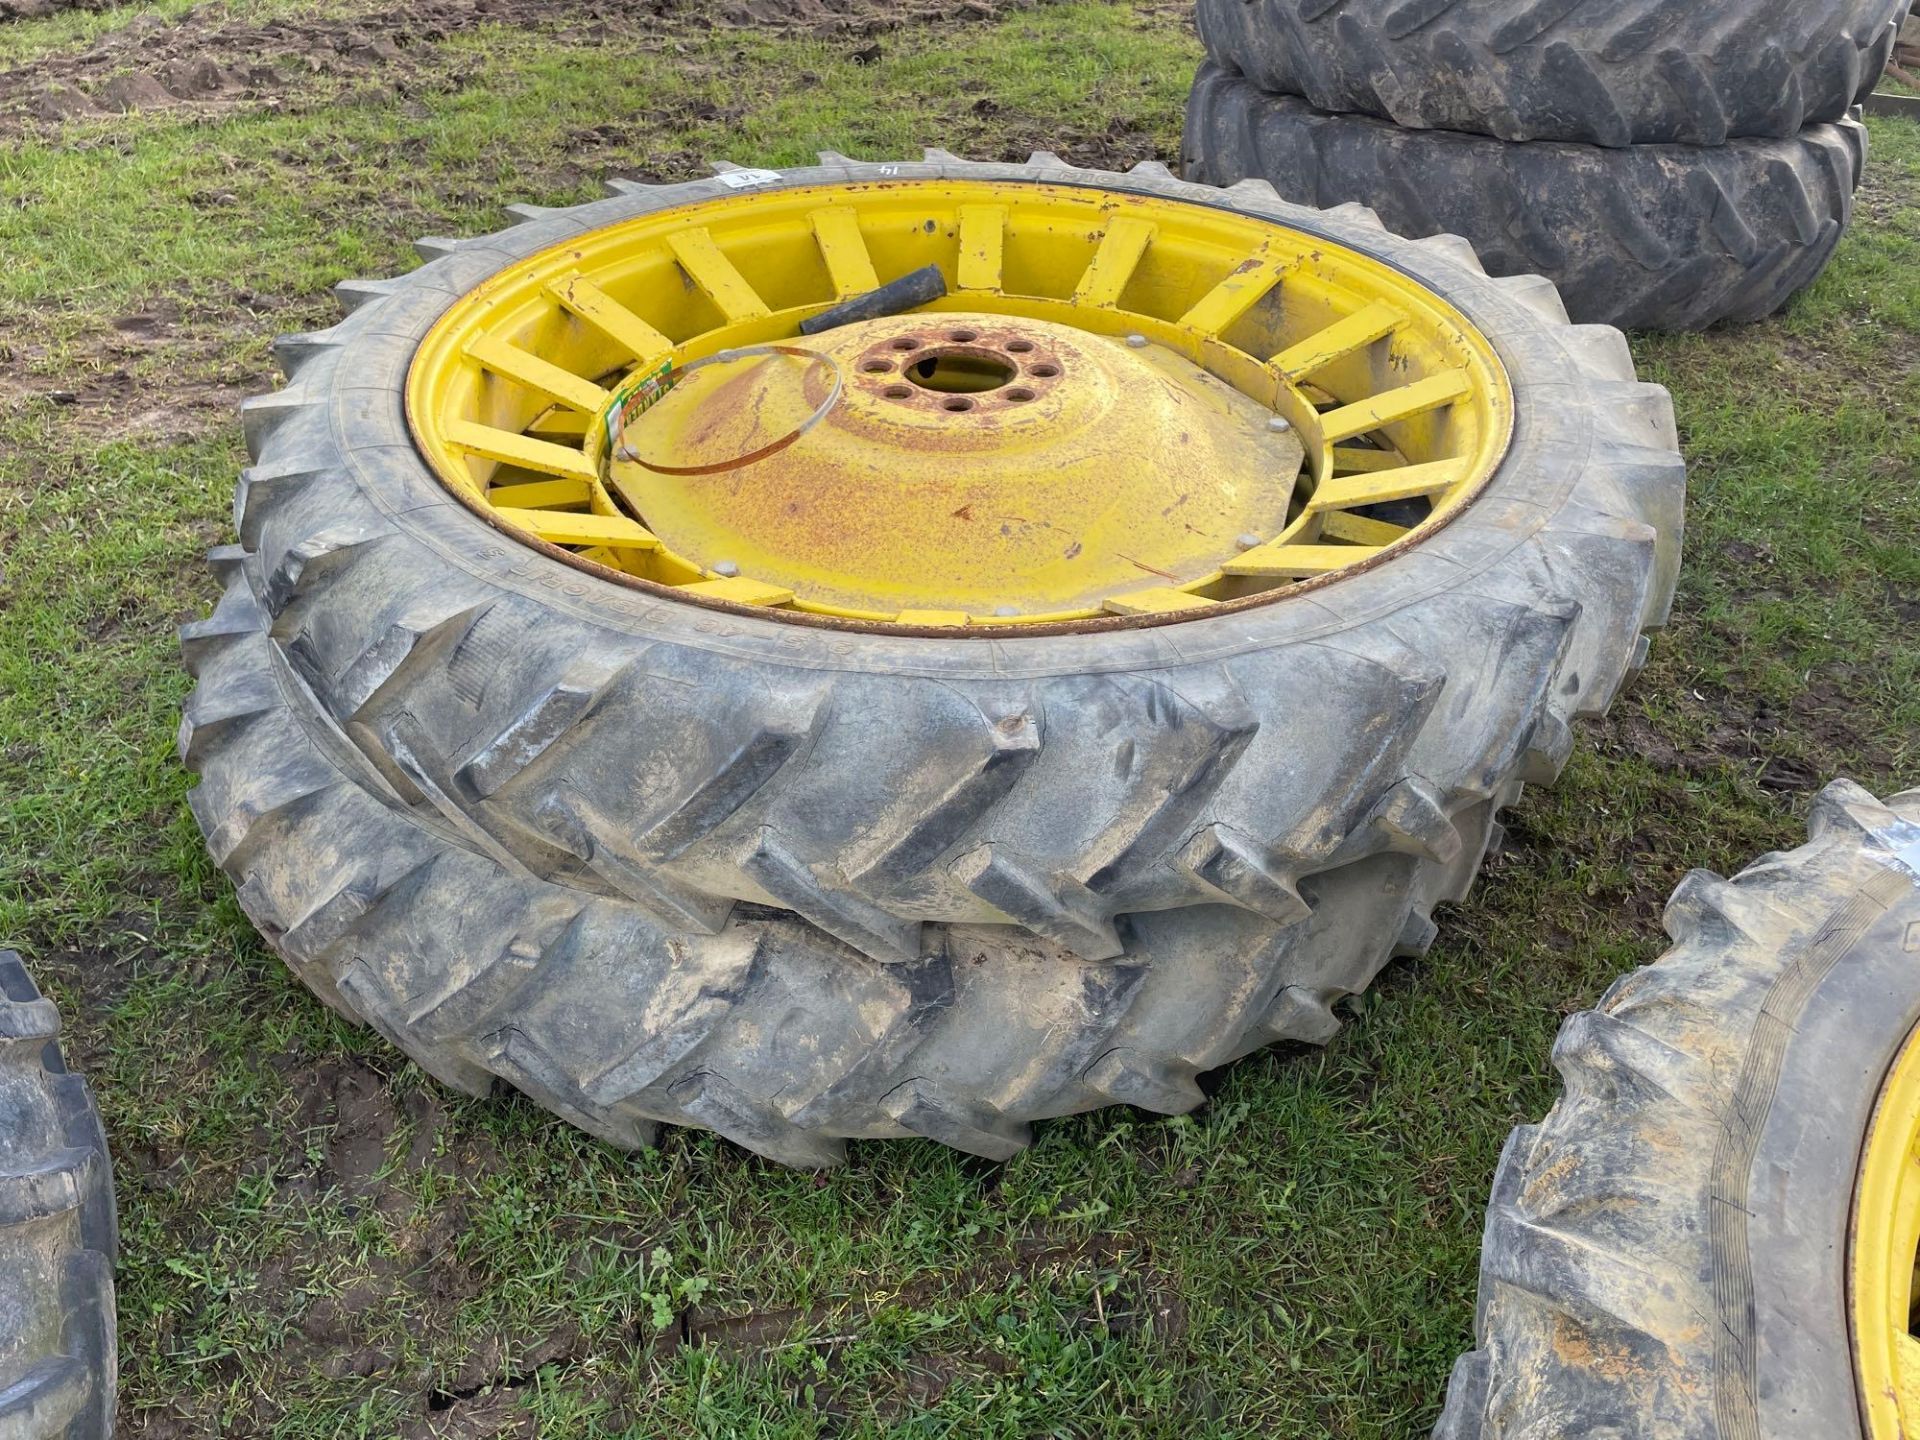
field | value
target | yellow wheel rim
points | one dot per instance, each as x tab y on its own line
1885	1242
1125	409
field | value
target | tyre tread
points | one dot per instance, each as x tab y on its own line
58	1233
1594	72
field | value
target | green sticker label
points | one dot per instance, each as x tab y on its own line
638	394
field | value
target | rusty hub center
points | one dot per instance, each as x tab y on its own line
975	463
957	368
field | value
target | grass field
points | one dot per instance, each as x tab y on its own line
318	1241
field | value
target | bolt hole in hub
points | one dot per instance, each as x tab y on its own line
1080	430
961	372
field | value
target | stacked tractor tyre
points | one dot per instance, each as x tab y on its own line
1668	166
650	853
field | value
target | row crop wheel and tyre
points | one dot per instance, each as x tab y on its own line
652	842
57	1231
1595	72
1661	237
1713	1233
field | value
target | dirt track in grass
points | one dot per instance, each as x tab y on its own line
213	59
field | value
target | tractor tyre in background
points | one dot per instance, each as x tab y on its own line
1650	237
57	1231
1712	1234
652	857
1599	72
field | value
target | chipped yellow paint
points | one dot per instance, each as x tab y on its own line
1238	293
740	590
541	495
983	231
582	297
836	229
1401	404
1157	600
709	268
1343	337
541	376
558	527
491	443
1121	250
1296	561
1359	530
1376	487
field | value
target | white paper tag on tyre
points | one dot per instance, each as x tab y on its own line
1901	841
741	179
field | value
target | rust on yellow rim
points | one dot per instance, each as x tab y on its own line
1124	408
1882	1259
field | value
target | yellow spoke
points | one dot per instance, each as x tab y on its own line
836	230
560	425
511	449
541	495
1359	529
1113	264
560	528
1402	482
1296	561
541	376
931	617
715	274
982	240
592	304
1389	406
1243	289
741	590
1343	337
1348	459
1157	600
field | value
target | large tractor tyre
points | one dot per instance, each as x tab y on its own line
1598	72
57	1232
1713	1232
661	838
1652	237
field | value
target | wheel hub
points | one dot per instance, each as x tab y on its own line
974	463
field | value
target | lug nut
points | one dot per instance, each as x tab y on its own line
726	568
1277	425
1137	341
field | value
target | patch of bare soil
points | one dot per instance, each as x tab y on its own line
1124	142
214	58
989	132
40	9
161	372
853	17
